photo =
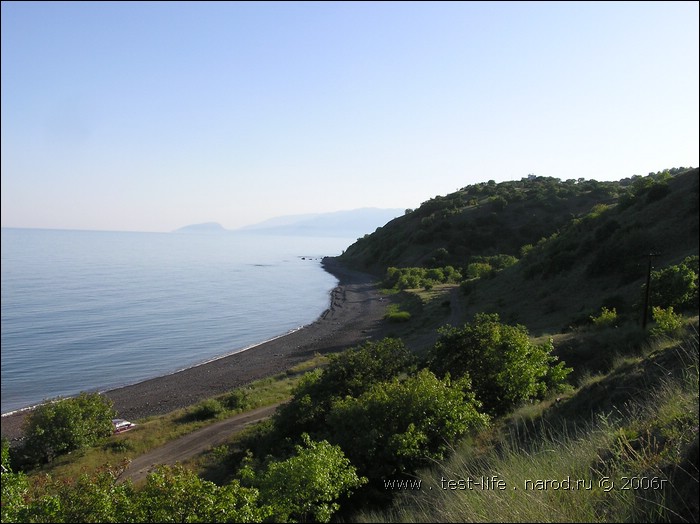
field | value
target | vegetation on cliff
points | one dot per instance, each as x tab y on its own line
548	339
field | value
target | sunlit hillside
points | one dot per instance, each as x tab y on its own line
541	365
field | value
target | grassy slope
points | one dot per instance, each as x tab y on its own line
586	261
559	284
632	404
623	447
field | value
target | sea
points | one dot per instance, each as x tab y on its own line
95	310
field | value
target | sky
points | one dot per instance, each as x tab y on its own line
149	116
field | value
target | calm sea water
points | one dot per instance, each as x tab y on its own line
88	311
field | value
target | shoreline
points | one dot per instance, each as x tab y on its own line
354	315
123	386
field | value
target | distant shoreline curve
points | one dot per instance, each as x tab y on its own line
354	315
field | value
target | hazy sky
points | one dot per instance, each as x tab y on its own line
151	116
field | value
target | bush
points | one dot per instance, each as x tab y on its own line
350	373
69	424
237	400
14	489
479	270
397	426
676	286
176	494
207	409
170	494
504	366
667	322
306	486
607	318
417	277
393	314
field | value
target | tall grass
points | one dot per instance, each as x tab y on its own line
634	463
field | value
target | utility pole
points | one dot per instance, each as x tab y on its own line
646	291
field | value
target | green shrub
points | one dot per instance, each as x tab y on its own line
393	314
676	285
350	373
306	487
237	400
64	425
207	409
417	277
504	366
606	318
118	446
397	426
667	322
479	270
14	489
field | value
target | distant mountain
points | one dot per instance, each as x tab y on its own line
351	224
207	227
354	223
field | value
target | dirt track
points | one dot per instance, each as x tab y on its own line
192	444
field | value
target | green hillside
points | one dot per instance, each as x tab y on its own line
570	261
488	218
570	247
541	366
482	219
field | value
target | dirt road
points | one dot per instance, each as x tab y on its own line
194	443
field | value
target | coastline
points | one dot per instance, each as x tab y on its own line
354	315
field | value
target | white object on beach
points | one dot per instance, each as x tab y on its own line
121	425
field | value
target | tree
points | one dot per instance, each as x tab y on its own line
396	426
307	485
65	425
14	489
499	202
504	366
435	274
175	494
676	286
479	270
348	374
170	494
94	497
